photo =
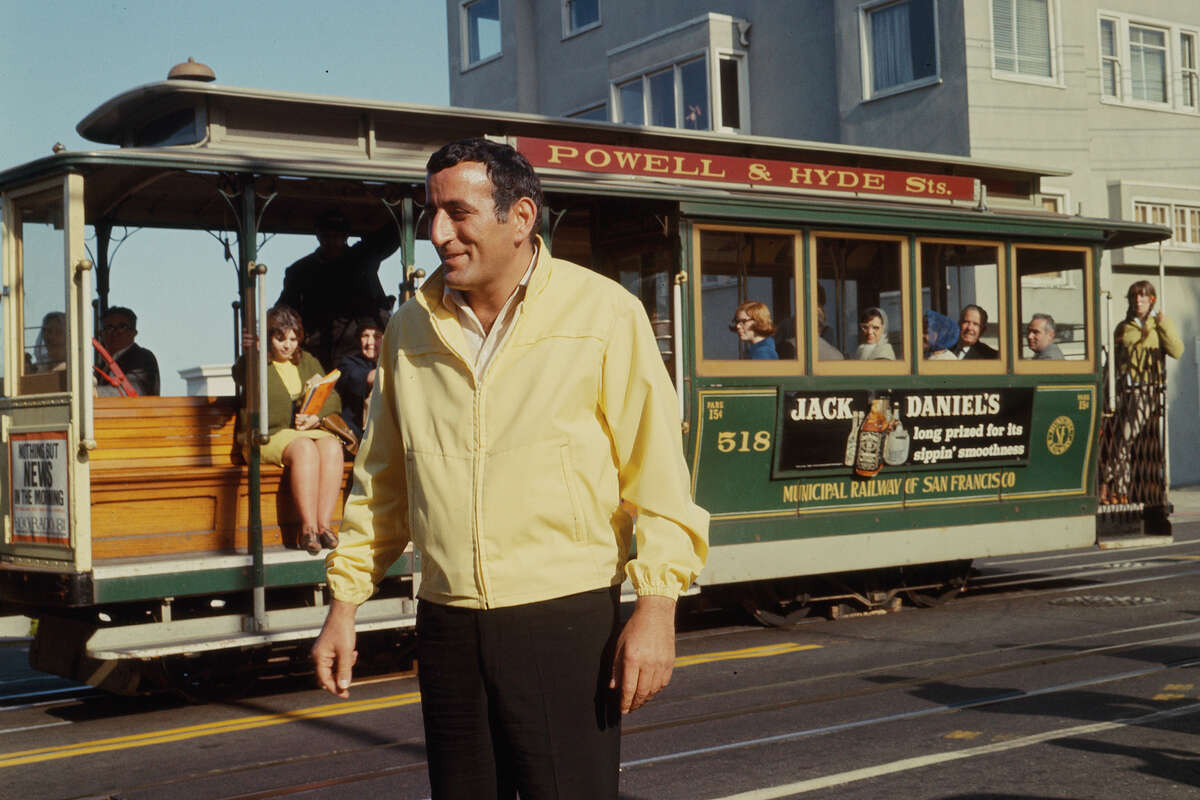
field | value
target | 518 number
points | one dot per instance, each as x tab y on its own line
743	441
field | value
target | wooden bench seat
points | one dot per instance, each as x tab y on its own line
167	478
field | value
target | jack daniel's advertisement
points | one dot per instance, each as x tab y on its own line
869	431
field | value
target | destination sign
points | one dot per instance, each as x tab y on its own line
647	162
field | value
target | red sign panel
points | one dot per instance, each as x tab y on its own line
615	160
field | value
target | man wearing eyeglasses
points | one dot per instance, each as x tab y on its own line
118	329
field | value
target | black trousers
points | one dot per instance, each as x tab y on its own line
516	699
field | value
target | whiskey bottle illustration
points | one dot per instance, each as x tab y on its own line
869	456
895	447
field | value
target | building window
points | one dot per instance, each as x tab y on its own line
1189	77
1187	225
1110	61
481	31
899	46
597	113
1183	219
1153	213
579	16
731	92
1148	63
674	97
1021	37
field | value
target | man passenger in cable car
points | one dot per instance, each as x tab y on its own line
519	399
1040	338
118	329
972	324
338	284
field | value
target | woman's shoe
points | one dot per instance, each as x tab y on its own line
310	542
328	538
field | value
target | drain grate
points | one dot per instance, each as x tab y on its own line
1107	601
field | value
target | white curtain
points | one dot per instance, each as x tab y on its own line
891	47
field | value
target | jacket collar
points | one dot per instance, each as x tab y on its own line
430	293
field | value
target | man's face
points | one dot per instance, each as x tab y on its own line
474	246
1038	335
117	332
331	243
970	327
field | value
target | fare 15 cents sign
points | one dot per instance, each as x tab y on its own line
614	160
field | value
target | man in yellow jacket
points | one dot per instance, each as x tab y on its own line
519	400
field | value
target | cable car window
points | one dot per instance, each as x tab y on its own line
859	310
747	292
37	228
961	281
1052	304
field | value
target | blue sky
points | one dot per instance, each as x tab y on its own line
61	59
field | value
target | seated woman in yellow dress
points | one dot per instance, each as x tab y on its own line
311	456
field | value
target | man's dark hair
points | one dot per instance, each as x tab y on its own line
127	313
511	175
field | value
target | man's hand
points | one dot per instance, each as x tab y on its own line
645	652
333	653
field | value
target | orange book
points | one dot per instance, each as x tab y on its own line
318	393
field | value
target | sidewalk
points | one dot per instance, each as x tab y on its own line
1187	504
14	627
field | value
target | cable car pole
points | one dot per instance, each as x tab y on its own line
250	279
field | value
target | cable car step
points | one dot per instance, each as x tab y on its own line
154	640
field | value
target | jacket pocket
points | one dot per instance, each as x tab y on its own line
568	477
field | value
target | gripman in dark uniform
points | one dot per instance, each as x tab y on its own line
336	285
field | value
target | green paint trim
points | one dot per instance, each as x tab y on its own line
219	581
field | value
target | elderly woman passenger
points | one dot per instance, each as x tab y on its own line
872	334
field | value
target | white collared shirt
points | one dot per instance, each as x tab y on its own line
482	345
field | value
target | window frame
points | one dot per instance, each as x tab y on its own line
997	366
1142	48
465	35
1170	208
849	366
1174	34
579	112
714	367
644	76
1030	366
866	53
1189	72
1055	78
567	31
1114	59
716	101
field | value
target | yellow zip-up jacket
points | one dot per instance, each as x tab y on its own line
510	483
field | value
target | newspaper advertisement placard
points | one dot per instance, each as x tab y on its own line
38	469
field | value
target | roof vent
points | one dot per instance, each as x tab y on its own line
191	70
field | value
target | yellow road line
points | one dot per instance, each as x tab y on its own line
749	652
206	729
314	712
